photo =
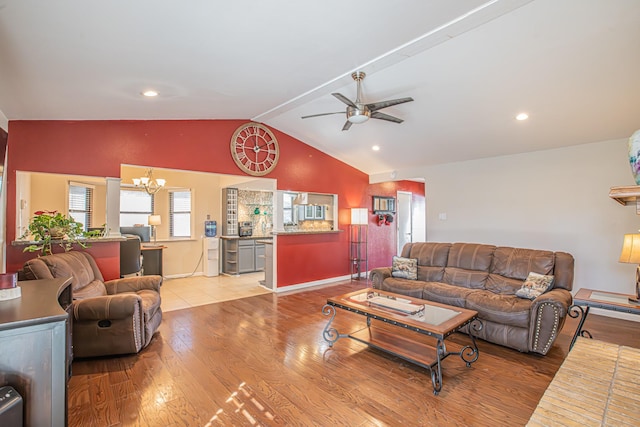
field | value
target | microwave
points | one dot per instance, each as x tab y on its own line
245	229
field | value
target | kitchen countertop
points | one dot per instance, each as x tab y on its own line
254	237
293	232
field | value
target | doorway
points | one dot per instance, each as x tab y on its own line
404	220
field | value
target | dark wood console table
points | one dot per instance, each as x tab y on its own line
588	298
35	349
152	259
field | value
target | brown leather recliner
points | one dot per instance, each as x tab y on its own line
115	317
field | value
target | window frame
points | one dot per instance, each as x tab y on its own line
145	213
173	212
89	203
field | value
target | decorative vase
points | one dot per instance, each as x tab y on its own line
634	155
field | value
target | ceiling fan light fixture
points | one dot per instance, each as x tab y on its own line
356	116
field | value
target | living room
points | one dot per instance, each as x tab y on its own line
478	174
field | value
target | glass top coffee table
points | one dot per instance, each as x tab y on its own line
424	317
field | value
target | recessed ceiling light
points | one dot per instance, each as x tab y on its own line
150	93
375	148
522	116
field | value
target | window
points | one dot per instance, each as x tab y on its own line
180	213
80	204
135	207
287	207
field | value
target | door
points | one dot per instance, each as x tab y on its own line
403	220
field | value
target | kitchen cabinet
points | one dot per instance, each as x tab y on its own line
246	256
311	212
260	256
242	256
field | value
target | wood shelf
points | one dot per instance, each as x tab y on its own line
627	196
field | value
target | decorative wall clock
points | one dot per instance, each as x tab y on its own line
255	149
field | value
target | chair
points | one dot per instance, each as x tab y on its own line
114	317
130	256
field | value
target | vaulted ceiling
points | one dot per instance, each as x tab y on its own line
469	65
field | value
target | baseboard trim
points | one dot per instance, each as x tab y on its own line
311	284
180	276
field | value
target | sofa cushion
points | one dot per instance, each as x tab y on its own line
445	294
432	258
502	285
412	288
516	263
504	309
535	285
404	268
468	265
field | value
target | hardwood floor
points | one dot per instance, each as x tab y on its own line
262	361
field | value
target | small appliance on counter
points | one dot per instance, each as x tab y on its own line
245	229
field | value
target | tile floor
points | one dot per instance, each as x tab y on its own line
193	291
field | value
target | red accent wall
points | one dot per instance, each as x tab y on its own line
98	148
382	239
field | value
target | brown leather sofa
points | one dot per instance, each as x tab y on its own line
114	317
485	278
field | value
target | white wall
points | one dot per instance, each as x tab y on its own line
555	200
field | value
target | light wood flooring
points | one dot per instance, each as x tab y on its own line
262	360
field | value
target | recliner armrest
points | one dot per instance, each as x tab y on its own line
133	284
377	276
548	313
110	307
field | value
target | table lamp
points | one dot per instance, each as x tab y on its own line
631	254
154	220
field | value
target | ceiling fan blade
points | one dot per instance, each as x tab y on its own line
344	99
384	104
347	125
322	114
383	116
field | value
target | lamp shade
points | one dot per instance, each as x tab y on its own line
359	216
155	220
631	249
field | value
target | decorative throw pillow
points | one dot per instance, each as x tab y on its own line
535	285
405	268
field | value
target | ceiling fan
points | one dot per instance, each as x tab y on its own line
357	112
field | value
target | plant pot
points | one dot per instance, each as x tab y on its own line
57	233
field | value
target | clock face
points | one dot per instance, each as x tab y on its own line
255	149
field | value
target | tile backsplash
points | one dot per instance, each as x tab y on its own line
257	207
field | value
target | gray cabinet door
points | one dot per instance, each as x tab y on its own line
246	256
260	261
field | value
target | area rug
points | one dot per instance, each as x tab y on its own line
598	384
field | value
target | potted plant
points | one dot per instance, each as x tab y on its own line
48	227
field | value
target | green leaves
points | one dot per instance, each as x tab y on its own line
48	227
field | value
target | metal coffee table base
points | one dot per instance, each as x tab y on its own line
421	354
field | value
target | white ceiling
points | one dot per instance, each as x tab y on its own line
470	65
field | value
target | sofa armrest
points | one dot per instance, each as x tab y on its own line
133	284
108	307
377	276
548	313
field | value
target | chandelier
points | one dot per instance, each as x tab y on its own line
150	184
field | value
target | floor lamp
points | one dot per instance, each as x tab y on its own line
358	256
154	221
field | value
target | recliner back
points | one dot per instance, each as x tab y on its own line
87	280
